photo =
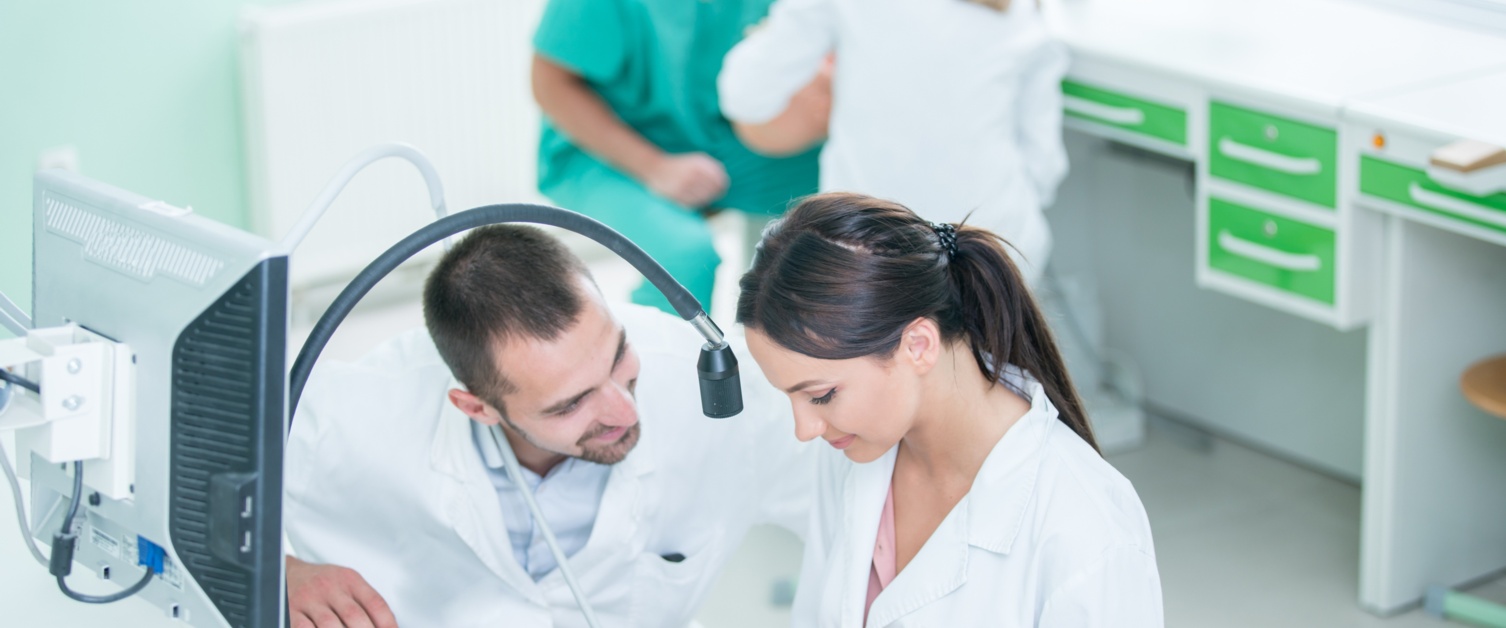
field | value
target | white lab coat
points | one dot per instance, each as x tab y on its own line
944	106
1050	535
383	477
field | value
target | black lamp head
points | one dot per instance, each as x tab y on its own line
721	388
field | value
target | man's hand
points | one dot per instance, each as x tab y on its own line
690	179
329	596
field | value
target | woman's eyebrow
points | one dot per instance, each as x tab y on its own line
805	384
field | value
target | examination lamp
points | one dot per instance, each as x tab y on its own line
721	389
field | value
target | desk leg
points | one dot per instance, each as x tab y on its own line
1435	467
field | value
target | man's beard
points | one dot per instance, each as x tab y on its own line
610	453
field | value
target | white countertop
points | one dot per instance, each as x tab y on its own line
1322	52
1470	108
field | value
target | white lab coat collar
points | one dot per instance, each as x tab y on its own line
471	506
473	509
451	433
989	517
491	455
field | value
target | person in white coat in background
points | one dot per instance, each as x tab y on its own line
949	107
398	509
963	486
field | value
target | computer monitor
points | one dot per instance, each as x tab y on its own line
204	310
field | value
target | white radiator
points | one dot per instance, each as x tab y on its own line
325	80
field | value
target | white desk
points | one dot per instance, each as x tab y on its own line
1434	500
1312	52
1273	102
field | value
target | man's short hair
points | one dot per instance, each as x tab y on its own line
500	282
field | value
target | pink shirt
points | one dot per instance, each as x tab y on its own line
884	554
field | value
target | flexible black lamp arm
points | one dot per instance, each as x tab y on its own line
721	389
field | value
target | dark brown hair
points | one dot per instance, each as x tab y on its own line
500	281
842	275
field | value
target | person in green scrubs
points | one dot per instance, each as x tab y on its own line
633	133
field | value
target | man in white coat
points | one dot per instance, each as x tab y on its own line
398	509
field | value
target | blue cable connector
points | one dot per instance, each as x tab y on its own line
150	554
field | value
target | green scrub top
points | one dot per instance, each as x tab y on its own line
655	63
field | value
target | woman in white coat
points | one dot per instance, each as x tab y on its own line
978	497
949	107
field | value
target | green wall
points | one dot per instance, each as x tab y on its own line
146	91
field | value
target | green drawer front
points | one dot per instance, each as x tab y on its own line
1289	255
1284	156
1113	109
1412	187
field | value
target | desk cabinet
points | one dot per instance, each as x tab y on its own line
1273	226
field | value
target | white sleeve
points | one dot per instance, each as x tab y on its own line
781	56
1040	110
1121	589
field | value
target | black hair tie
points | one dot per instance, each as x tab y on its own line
947	234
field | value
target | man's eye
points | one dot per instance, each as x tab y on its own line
824	399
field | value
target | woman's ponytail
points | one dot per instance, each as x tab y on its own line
1004	325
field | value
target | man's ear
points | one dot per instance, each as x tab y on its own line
479	411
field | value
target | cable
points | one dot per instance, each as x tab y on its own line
13	378
63	544
685	304
15	491
347	172
146	579
78	496
6	395
510	460
12	318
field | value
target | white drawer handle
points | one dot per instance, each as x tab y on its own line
1128	116
1461	207
1267	159
1261	253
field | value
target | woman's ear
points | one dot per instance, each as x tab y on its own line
479	411
920	344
